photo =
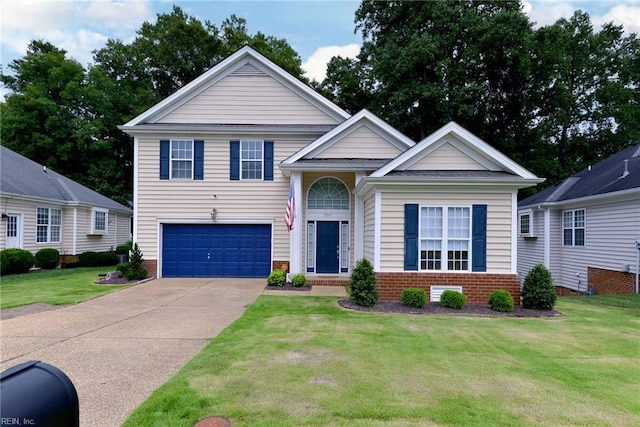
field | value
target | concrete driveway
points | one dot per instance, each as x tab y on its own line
118	348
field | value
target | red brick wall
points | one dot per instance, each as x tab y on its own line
151	266
610	282
275	265
476	286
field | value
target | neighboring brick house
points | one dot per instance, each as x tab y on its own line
585	228
216	163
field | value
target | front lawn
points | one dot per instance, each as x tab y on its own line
58	287
294	361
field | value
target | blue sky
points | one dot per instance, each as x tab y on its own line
317	30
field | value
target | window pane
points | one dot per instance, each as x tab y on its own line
567	219
329	194
579	218
43	216
12	226
567	239
458	223
41	233
251	159
524	224
56	217
310	245
100	223
55	233
181	159
344	256
251	170
430	255
579	237
431	222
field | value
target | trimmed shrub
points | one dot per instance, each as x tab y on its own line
135	270
453	299
299	280
124	249
362	286
15	261
501	300
97	259
277	278
122	267
415	298
69	261
538	291
47	258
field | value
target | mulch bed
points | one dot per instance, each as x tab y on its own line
436	308
287	287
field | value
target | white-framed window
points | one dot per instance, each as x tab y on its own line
573	227
181	159
445	238
48	225
99	221
525	224
251	159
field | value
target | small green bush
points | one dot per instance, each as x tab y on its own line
501	300
124	249
69	261
47	258
15	261
122	267
453	299
135	270
298	280
538	291
97	259
415	298
277	278
362	286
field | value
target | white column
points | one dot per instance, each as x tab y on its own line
295	235
377	223
74	244
358	226
514	231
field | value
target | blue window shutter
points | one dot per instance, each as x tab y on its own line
479	238
234	161
198	157
411	237
268	160
164	158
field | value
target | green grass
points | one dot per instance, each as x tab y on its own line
295	361
58	287
624	301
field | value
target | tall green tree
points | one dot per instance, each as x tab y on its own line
46	116
586	102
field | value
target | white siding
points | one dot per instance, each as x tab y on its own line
118	231
248	100
361	143
498	224
531	249
611	231
193	200
447	157
369	226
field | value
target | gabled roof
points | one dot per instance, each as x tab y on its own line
364	117
606	177
483	153
21	177
243	59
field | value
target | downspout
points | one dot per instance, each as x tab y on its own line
546	250
74	244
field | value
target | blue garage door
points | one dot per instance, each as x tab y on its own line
201	250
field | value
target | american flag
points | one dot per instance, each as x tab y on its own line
291	207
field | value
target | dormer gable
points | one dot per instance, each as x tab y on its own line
246	88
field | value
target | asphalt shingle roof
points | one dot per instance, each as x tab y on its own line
20	176
606	176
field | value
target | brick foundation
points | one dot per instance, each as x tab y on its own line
328	280
476	286
561	291
284	265
151	266
607	282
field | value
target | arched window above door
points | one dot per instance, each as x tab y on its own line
328	194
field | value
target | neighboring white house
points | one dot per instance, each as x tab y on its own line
42	209
585	229
217	162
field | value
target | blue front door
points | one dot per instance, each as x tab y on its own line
327	247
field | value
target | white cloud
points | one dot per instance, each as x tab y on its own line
547	13
79	27
315	67
628	16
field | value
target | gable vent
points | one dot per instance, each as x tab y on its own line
248	69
